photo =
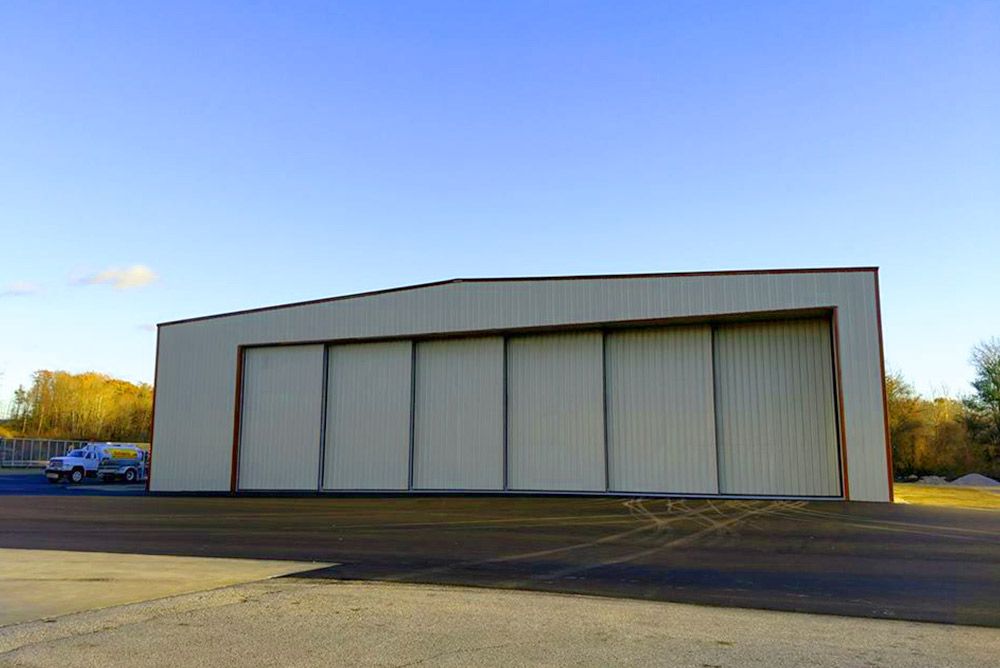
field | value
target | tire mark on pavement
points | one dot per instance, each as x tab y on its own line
806	514
651	522
713	525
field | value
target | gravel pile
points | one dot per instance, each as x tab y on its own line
975	480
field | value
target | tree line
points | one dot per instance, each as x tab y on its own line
85	406
948	436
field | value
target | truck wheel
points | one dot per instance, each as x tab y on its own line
130	475
76	476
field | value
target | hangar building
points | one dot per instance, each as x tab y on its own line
730	384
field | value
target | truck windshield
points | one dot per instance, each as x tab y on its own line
77	453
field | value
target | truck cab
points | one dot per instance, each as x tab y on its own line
73	466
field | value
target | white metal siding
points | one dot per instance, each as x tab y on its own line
282	407
555	412
776	414
661	419
368	416
196	369
458	424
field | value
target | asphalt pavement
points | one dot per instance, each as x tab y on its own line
32	482
857	559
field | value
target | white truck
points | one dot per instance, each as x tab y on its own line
109	461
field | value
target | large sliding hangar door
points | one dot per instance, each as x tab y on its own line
458	427
281	418
367	435
775	409
711	409
661	424
555	413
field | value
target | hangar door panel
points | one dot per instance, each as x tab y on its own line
777	423
458	424
368	416
555	409
661	419
280	418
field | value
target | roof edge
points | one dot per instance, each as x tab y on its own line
515	279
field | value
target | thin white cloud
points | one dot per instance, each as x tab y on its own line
135	276
20	289
147	327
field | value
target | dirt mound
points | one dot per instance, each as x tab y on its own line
975	480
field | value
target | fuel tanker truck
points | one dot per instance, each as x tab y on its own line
106	461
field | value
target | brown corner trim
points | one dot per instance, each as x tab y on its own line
515	279
237	419
842	427
885	393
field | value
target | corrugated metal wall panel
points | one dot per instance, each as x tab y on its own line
776	415
458	424
661	419
281	416
861	376
185	418
368	416
555	409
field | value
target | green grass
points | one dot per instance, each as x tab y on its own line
946	495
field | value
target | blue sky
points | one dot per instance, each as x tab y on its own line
159	161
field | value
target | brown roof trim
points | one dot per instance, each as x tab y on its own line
514	279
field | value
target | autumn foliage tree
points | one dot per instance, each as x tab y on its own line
943	435
928	435
84	406
982	409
